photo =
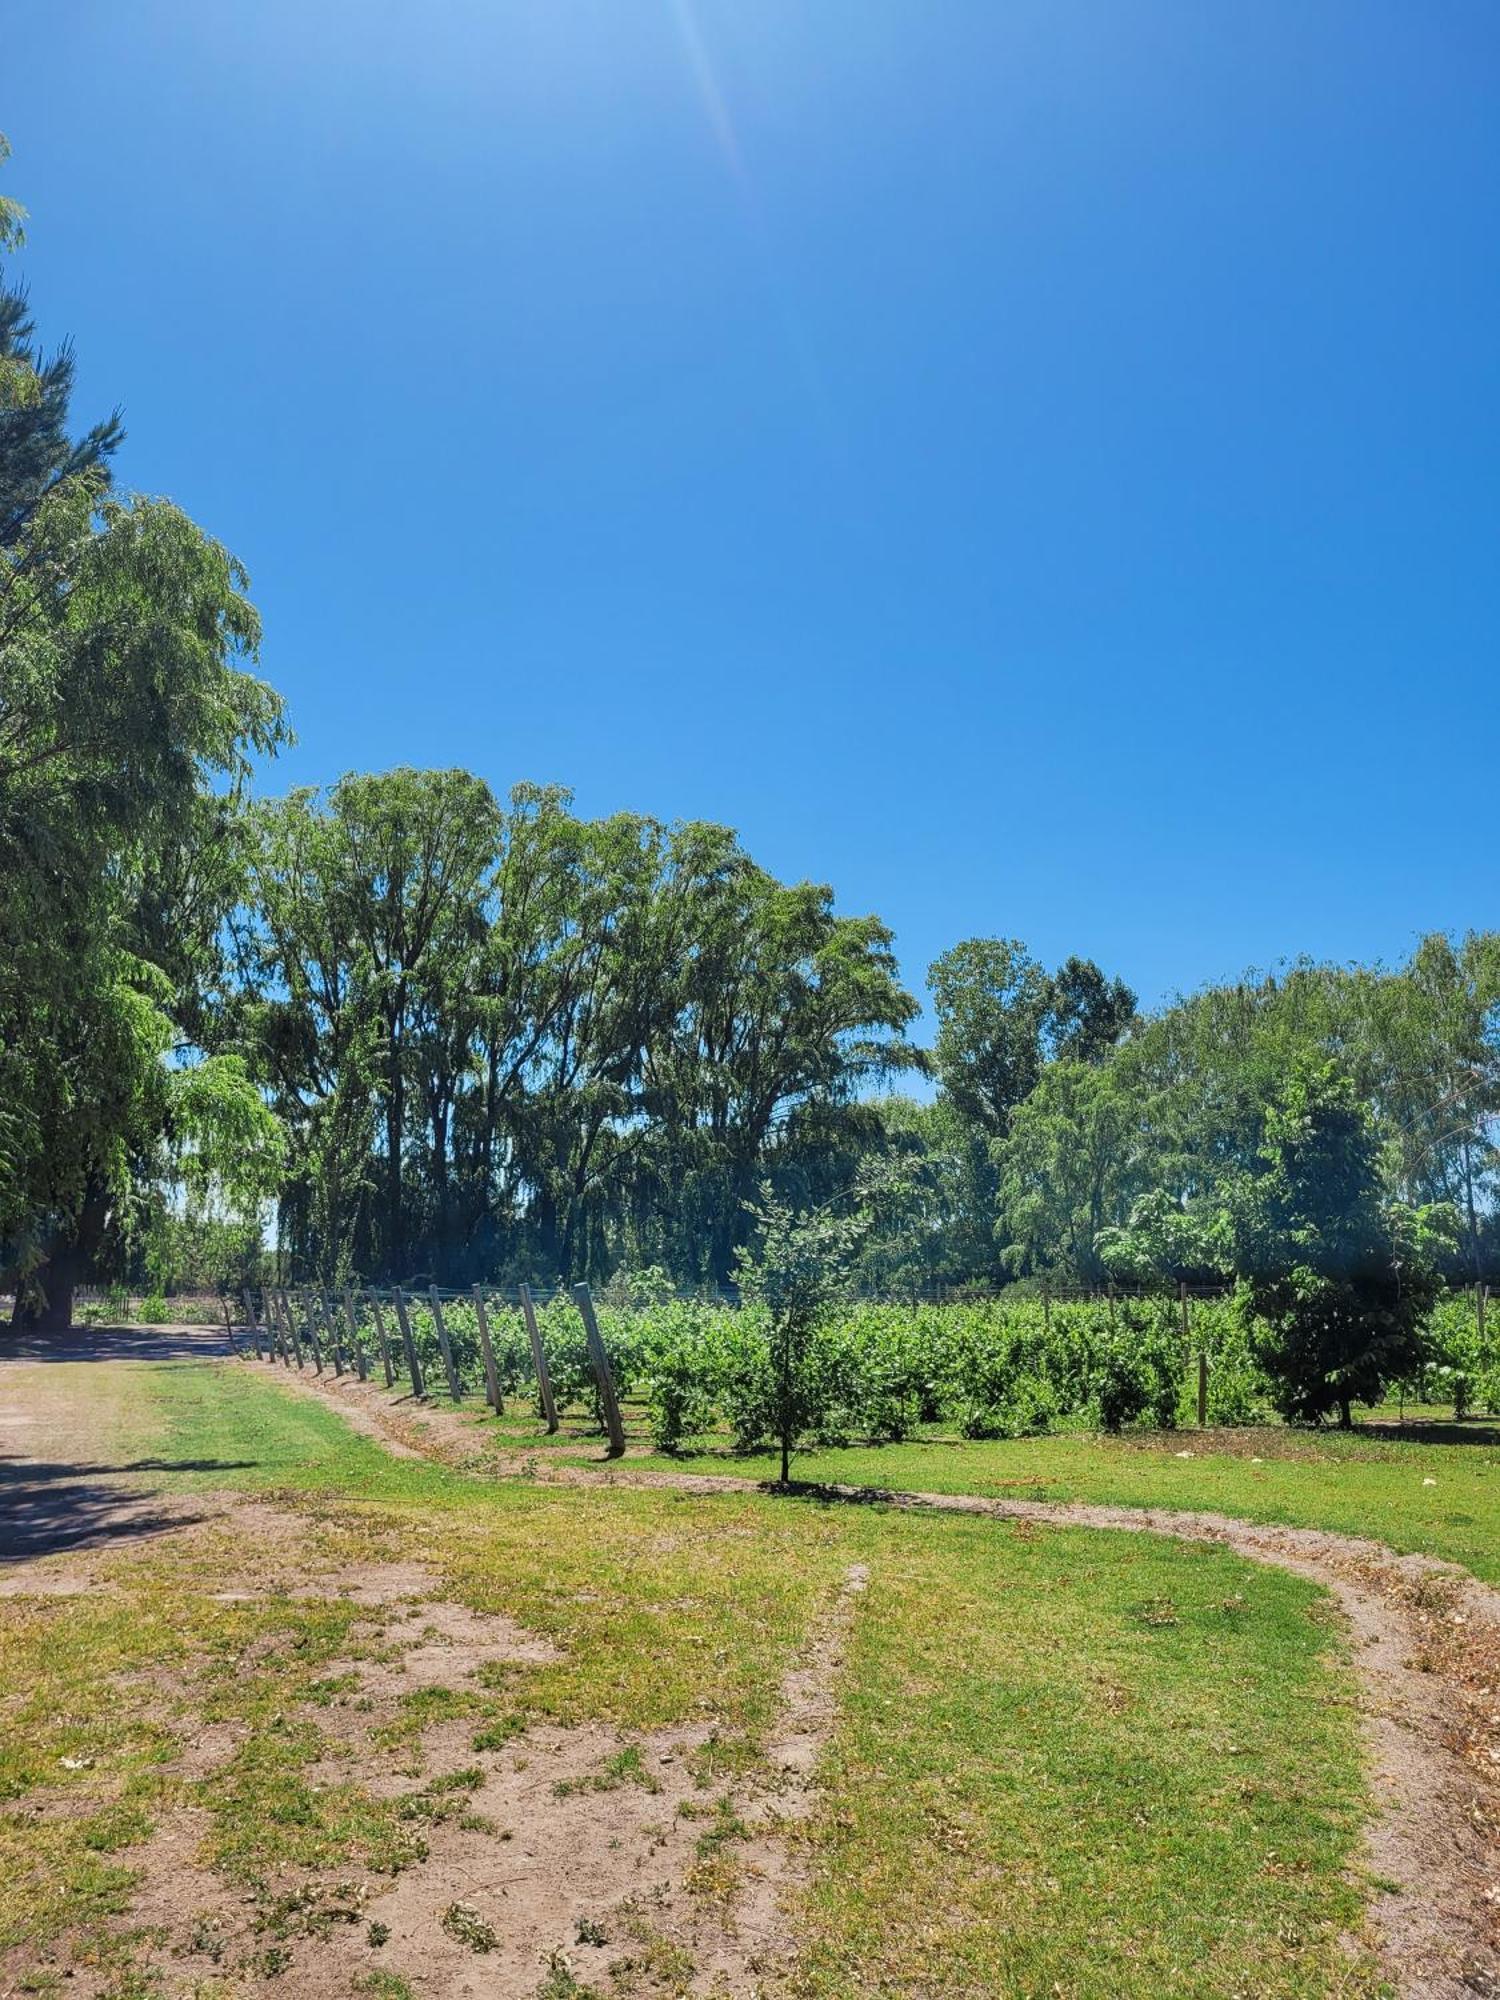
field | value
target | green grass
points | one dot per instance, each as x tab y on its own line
1430	1492
1084	1764
1066	1761
1430	1499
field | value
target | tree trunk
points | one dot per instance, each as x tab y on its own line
68	1263
57	1280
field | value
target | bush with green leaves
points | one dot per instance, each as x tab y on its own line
1461	1365
1013	1366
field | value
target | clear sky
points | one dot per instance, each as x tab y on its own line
1030	463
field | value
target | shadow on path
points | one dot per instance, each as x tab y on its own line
47	1506
115	1343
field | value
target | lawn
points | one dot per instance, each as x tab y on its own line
1431	1499
1063	1762
1433	1489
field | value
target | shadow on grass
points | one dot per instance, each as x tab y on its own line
49	1506
1431	1430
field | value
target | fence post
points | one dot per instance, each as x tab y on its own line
224	1300
398	1300
273	1329
356	1346
251	1321
385	1346
331	1331
538	1358
312	1332
291	1325
486	1348
583	1298
291	1351
455	1387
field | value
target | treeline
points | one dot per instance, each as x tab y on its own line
507	1041
1071	1136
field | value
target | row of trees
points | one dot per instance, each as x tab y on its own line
1072	1137
506	1040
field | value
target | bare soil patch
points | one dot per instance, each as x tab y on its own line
631	1863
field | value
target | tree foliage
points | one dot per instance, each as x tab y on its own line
1338	1278
508	1038
127	721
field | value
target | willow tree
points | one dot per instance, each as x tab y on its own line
127	719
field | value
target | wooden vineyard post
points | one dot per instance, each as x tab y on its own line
538	1358
487	1349
291	1325
356	1345
228	1321
583	1298
273	1324
414	1367
385	1346
455	1387
331	1333
312	1332
254	1325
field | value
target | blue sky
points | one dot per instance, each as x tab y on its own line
1033	466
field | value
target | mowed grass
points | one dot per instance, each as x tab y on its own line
1418	1498
1082	1764
1066	1762
1434	1490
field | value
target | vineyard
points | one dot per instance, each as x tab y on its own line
882	1372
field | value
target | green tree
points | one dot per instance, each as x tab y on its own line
121	708
127	720
1002	1017
1069	1170
1166	1241
991	998
363	935
783	1014
1339	1279
797	1266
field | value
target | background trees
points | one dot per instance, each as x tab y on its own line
507	1038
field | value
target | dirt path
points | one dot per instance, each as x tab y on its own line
59	1487
1426	1648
